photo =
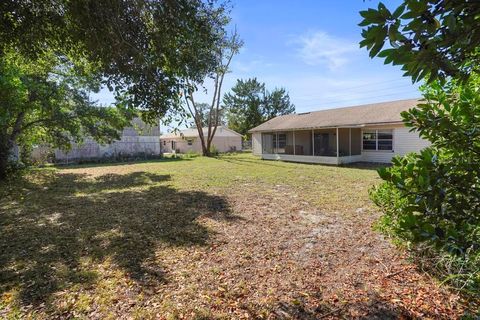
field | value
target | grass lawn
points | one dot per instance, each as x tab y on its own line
228	237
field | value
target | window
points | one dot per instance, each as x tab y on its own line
370	140
378	140
189	142
164	142
282	140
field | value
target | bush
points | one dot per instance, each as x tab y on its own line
431	200
426	201
427	209
191	154
214	151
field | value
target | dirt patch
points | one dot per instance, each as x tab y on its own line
285	260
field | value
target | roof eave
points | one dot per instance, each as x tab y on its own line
328	127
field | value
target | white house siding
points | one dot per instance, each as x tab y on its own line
257	144
406	141
403	143
229	143
223	144
377	156
304	159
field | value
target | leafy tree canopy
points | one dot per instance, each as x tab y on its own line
431	199
250	104
45	100
225	52
431	39
203	112
142	50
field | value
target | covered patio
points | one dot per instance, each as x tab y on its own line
337	145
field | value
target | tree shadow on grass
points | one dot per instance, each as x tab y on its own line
250	162
288	164
49	226
92	164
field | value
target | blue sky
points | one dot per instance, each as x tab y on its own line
311	48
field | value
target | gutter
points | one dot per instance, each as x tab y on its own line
327	127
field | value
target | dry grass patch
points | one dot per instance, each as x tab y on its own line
229	237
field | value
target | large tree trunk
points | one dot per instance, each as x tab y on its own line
5	154
3	167
205	150
7	142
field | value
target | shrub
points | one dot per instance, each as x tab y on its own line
427	202
431	200
214	151
191	154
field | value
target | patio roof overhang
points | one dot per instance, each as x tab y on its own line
327	127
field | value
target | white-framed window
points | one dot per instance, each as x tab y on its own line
189	142
377	140
282	140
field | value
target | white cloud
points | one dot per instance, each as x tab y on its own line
320	48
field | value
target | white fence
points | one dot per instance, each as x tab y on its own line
140	147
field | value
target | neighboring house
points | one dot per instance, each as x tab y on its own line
138	140
182	141
370	133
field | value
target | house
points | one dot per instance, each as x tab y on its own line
138	140
370	133
182	141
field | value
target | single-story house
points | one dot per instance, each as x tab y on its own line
140	139
182	141
369	133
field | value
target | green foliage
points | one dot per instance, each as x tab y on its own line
46	101
214	151
191	154
54	53
250	104
203	112
211	115
430	39
425	203
141	50
433	198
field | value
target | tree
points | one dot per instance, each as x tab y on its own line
46	101
430	39
277	103
250	104
146	52
141	50
432	199
225	53
244	105
203	110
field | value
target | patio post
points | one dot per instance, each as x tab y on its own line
313	143
350	142
338	151
276	147
294	142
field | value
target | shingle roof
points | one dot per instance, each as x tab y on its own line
376	113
